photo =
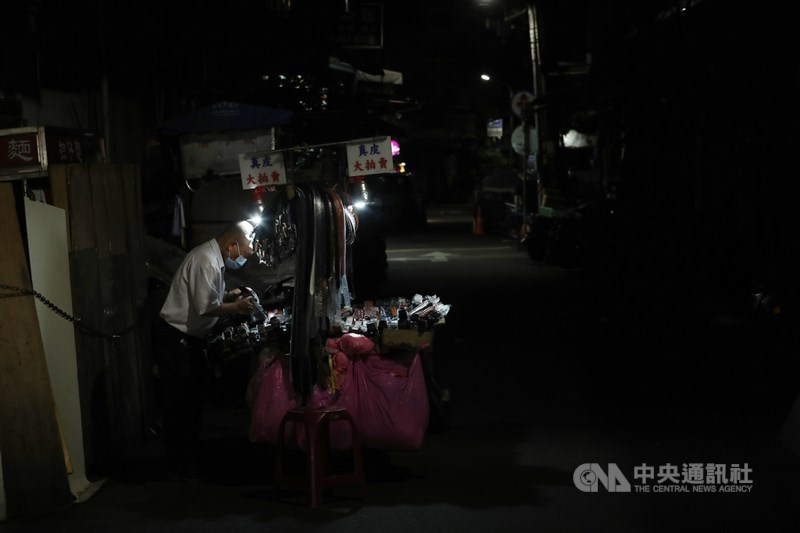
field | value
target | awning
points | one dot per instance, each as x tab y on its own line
383	75
391	77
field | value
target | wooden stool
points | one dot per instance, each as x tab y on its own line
316	423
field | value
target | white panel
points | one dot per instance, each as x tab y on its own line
50	274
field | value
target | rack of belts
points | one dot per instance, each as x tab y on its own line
313	223
320	277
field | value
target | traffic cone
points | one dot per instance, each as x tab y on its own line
477	224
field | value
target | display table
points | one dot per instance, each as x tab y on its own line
377	363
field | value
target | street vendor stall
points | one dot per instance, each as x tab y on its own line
313	350
309	344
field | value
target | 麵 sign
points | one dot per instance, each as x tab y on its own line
373	156
262	169
19	150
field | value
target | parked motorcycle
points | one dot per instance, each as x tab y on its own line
554	237
583	236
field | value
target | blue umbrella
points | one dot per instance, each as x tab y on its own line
226	116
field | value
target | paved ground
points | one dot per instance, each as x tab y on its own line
543	375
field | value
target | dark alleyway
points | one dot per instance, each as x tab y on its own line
543	376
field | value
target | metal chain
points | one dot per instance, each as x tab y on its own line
17	292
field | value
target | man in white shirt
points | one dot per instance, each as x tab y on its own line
196	300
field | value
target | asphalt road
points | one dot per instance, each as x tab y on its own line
546	376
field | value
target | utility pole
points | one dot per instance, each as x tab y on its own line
529	118
533	33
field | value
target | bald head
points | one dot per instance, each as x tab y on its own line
236	238
239	230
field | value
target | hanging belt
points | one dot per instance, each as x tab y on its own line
303	369
340	230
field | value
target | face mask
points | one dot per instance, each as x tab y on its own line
235	264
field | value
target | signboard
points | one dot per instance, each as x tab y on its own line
369	156
261	169
520	101
21	149
67	148
218	153
494	128
518	140
29	151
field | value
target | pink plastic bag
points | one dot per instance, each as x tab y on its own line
274	398
387	400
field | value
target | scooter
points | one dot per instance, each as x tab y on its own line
580	237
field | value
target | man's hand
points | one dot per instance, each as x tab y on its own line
244	306
235	306
231	295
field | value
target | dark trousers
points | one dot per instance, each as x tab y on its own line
184	381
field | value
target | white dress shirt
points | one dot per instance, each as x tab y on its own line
197	288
